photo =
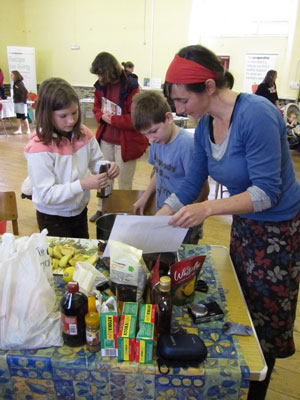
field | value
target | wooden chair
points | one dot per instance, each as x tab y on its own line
8	209
121	201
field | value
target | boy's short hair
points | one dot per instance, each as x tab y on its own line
148	107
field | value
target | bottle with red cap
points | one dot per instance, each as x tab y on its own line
74	307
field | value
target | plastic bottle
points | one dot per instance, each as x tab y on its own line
74	306
164	306
106	191
92	326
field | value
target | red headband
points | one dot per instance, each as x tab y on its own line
184	71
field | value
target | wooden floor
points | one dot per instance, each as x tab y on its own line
285	383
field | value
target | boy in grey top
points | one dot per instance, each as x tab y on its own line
170	154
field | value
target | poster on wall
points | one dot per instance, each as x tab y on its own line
22	59
256	67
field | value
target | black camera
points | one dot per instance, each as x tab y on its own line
206	312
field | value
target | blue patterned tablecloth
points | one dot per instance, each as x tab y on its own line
75	373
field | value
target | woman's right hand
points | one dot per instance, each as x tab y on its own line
165	210
190	215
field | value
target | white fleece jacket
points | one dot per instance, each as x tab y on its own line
55	172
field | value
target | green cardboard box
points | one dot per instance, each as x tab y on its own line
147	313
144	343
127	332
108	333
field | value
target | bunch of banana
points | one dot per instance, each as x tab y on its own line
67	256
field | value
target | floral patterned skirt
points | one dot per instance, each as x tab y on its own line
266	257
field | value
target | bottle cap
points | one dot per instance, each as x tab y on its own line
165	283
73	287
92	304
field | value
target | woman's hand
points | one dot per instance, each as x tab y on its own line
165	210
190	215
107	117
114	170
194	214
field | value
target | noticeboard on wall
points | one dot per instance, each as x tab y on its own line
256	67
22	59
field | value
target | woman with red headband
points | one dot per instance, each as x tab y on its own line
232	145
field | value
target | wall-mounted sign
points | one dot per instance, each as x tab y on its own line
257	65
22	59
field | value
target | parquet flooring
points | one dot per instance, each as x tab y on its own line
13	170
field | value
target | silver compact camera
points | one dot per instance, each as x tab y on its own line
205	312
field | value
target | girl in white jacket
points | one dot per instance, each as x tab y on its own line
59	155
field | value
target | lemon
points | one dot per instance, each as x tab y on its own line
68	274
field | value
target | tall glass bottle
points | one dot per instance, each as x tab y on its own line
74	306
164	306
92	326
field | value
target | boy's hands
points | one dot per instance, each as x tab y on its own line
139	205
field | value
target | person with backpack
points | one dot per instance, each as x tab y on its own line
118	139
129	68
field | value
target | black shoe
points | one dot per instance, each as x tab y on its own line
96	216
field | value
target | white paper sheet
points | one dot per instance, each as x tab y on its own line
152	234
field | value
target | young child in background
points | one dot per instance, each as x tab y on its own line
171	152
20	101
59	154
293	131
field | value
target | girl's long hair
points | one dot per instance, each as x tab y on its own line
106	65
54	94
269	78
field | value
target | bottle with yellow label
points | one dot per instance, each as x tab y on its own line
92	323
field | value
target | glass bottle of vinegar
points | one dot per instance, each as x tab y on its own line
74	306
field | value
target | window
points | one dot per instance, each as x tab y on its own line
241	18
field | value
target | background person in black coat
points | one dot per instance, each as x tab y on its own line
268	89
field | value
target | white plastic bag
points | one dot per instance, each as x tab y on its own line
28	311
